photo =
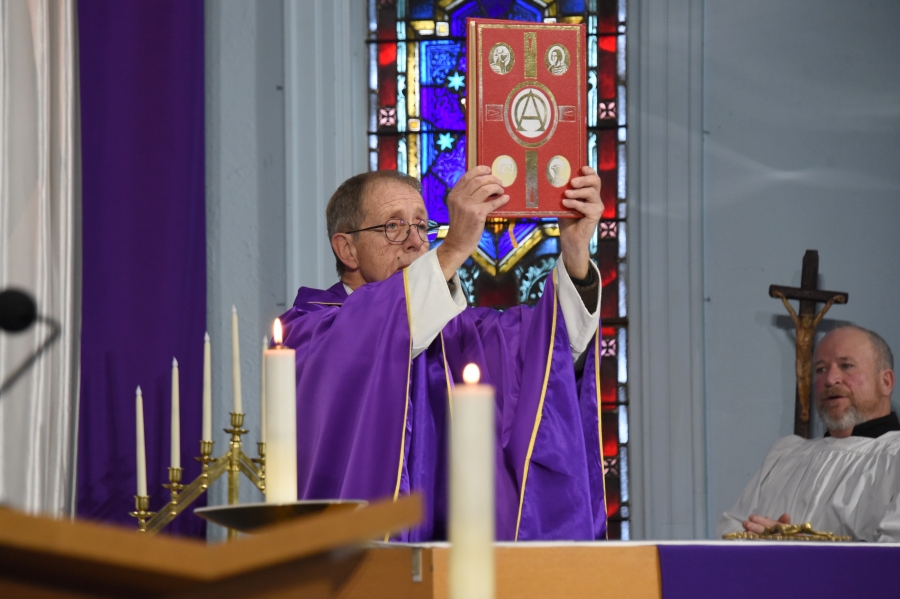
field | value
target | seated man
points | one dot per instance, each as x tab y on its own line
848	482
378	355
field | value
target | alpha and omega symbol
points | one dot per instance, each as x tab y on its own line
501	58
531	114
557	59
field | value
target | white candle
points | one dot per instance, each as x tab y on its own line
141	451
471	514
207	390
235	362
175	445
262	392
281	422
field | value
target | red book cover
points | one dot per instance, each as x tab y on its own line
526	110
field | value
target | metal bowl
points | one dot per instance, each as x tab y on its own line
248	517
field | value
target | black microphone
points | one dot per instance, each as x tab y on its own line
17	313
17	310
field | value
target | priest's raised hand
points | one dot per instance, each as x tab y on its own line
575	234
475	195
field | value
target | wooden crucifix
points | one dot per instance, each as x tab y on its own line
806	322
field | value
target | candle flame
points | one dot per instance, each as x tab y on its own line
276	332
471	374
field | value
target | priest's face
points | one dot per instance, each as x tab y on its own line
377	257
850	386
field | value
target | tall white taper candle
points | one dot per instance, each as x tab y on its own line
141	451
281	422
262	392
471	516
175	443
235	362
207	390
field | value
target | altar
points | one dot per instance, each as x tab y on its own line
646	570
331	555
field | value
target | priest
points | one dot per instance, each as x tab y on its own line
847	482
378	355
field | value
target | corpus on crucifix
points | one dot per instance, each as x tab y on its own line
806	322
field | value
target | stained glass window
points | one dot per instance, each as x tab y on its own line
417	90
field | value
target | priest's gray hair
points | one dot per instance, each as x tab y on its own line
346	211
884	358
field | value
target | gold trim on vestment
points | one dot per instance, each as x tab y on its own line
537	418
597	357
408	375
326	303
447	377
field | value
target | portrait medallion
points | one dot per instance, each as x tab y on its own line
505	169
558	171
501	58
557	59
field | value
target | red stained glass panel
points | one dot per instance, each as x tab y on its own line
387	153
606	67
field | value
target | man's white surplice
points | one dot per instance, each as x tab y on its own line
846	486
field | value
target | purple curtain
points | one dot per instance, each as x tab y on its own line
144	248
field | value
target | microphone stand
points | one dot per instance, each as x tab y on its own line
55	331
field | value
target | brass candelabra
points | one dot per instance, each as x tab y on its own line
234	462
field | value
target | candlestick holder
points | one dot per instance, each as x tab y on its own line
141	511
234	461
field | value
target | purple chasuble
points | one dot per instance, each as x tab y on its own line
372	423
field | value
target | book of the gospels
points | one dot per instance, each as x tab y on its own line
525	110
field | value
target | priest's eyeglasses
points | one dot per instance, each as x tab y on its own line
397	230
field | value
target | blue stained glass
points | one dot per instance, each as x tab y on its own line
459	16
421	9
521	230
487	245
500	248
441	109
523	12
402	156
516	10
571	7
427	151
434	191
592	98
623	424
438	59
451	164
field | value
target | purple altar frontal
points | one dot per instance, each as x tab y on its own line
751	569
643	570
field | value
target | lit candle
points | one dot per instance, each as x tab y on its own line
471	514
235	362
207	390
262	392
141	452
281	421
175	446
